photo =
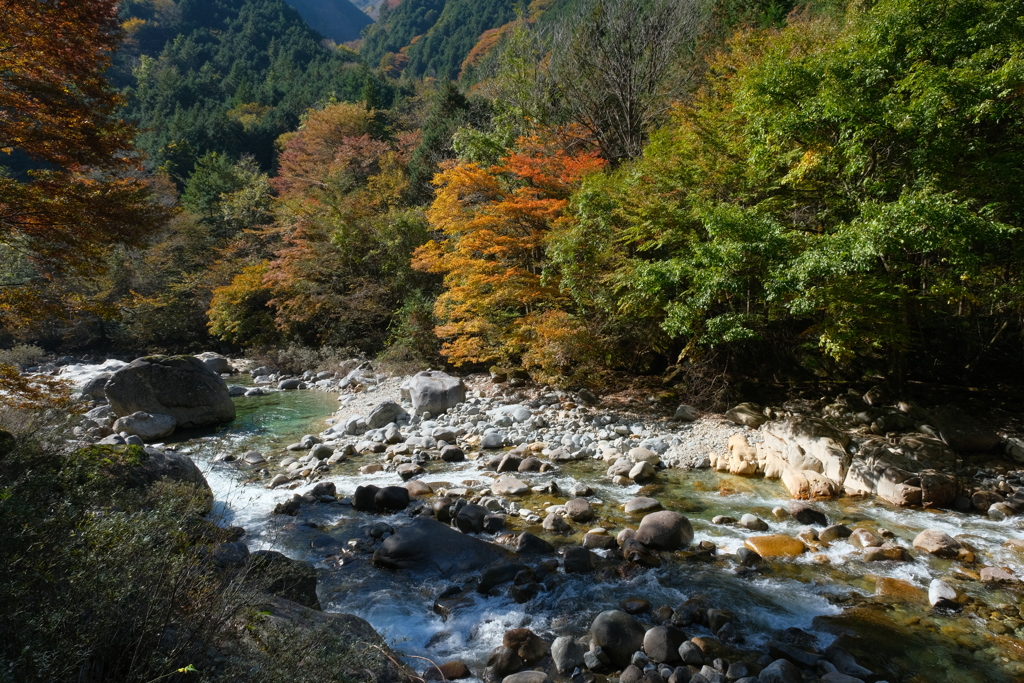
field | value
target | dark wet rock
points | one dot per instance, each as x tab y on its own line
961	432
690	654
494	576
579	561
365	498
470	519
662	643
617	634
452	454
780	671
806	514
277	574
528	544
631	674
427	546
794	654
635	606
527	645
501	662
665	530
391	499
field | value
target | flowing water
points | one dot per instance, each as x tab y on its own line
827	592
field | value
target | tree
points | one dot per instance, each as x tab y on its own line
78	192
497	305
611	61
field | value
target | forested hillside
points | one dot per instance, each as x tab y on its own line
433	37
638	187
226	76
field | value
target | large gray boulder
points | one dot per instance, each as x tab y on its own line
434	392
179	386
963	433
618	634
428	547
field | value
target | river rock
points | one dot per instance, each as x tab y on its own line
391	499
937	543
899	590
665	530
618	635
434	392
452	453
146	426
507	485
215	362
961	432
567	654
887	552
775	545
690	654
501	662
179	386
753	523
642	473
556	523
96	387
662	643
470	518
997	575
862	538
449	671
747	414
780	671
527	677
527	644
291	384
806	514
384	414
833	533
427	546
579	510
641	505
941	595
579	561
686	413
640	454
528	544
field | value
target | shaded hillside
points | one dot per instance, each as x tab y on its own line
227	76
339	20
433	37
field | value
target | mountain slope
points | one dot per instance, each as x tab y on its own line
339	20
433	37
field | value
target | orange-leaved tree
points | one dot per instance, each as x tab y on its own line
497	304
69	187
345	236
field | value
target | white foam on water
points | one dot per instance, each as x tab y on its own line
81	374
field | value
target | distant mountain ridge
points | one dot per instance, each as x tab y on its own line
339	20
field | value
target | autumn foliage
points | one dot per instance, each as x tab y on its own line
494	224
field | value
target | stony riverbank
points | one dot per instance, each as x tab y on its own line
576	476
